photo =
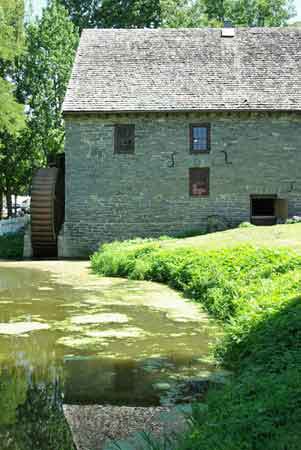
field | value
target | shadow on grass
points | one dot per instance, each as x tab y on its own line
261	408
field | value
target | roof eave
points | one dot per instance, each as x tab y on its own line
168	111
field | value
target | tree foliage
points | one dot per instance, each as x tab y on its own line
215	9
39	75
11	112
251	12
83	13
11	31
43	74
178	13
114	13
16	163
130	13
11	44
183	14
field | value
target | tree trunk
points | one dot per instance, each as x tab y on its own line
1	205
9	204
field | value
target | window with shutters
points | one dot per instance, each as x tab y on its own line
124	139
200	138
199	181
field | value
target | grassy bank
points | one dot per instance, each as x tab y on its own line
276	236
11	246
255	292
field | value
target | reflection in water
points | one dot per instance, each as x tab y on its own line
31	414
125	382
97	341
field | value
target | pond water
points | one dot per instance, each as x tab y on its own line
67	335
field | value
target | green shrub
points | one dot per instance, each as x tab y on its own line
294	219
11	246
220	279
246	225
256	293
189	233
217	223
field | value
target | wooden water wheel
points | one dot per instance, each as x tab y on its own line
47	209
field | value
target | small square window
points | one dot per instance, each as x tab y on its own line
124	139
199	181
200	138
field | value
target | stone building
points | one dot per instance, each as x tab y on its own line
168	127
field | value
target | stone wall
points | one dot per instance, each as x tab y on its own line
113	196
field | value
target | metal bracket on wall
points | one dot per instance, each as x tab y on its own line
226	157
292	186
172	160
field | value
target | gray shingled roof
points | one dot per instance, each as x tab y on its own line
185	70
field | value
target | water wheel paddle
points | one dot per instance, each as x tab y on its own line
47	210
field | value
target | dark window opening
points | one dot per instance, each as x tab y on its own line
263	207
200	138
124	139
199	181
263	210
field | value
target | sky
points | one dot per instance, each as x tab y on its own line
298	7
37	6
